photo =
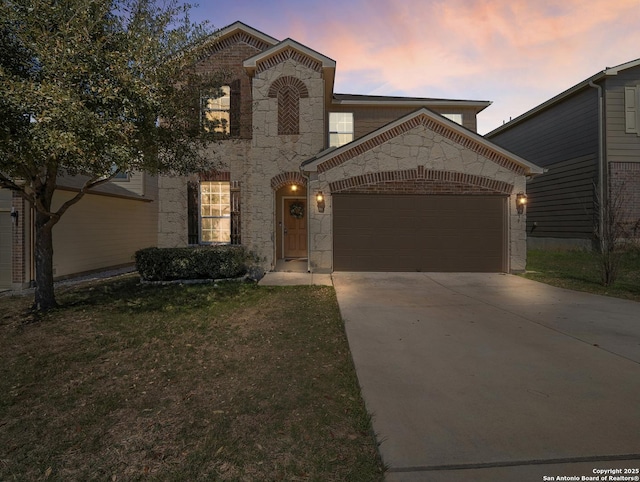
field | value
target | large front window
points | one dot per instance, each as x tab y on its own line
215	212
340	128
215	110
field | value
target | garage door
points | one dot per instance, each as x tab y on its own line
419	233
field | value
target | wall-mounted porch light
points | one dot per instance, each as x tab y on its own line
521	202
14	215
320	201
294	188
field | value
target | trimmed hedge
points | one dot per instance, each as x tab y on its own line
202	262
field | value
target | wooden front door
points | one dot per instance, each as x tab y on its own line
295	228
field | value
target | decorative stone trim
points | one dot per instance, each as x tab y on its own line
288	90
288	179
421	181
441	129
240	37
285	55
287	81
215	176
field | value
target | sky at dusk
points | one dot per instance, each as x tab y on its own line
515	53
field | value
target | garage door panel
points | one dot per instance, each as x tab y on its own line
419	233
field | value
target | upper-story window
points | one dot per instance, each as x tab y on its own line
340	128
215	110
457	118
632	109
118	175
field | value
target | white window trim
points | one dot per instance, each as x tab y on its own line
201	217
338	132
632	109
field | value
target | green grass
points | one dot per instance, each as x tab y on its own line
172	383
579	270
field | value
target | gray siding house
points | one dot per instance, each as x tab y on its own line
588	139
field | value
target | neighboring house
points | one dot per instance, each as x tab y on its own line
347	182
588	138
103	230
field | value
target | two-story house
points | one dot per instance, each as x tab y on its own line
335	181
588	138
345	182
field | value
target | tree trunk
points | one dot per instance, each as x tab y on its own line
45	298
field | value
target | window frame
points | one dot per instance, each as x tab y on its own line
120	176
206	110
451	115
632	109
202	216
339	132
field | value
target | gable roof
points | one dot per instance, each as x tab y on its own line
287	49
237	31
609	71
274	55
333	157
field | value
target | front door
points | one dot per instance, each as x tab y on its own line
295	228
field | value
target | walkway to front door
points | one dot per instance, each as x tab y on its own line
298	265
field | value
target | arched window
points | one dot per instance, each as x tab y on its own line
288	90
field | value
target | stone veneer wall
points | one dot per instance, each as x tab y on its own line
272	154
418	150
254	163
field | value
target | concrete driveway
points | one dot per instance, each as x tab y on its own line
491	377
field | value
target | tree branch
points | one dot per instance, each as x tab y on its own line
89	184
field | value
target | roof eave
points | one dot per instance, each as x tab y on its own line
406	102
609	71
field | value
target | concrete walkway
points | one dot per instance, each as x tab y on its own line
281	278
489	377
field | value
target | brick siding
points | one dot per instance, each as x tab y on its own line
421	181
288	179
18	248
624	180
227	58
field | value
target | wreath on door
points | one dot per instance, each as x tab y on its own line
297	210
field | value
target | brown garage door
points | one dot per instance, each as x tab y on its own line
419	233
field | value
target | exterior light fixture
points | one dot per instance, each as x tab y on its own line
320	201
294	188
14	215
521	202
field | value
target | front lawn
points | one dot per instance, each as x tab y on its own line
578	270
138	382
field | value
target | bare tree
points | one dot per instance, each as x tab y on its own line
613	230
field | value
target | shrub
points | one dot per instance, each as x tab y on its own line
211	262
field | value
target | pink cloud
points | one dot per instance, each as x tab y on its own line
464	49
517	53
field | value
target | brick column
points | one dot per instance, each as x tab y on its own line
18	249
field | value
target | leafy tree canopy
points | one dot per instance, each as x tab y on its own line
95	87
91	86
